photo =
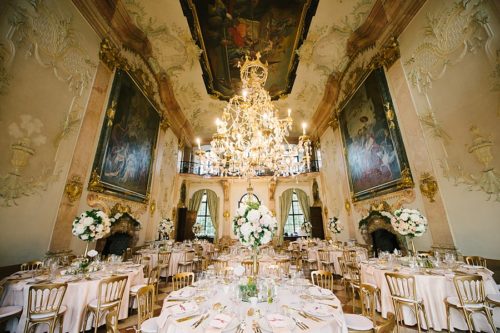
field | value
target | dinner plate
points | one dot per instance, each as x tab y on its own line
231	326
191	312
320	293
264	324
318	309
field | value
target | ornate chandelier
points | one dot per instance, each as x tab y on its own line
251	139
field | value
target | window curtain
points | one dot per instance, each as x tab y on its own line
195	202
213	207
304	204
285	204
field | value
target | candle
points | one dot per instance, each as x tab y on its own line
198	141
289	112
303	128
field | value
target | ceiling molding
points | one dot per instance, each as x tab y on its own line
380	31
110	19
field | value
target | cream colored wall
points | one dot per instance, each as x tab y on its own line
459	87
47	83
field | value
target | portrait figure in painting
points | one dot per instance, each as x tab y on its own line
126	148
373	160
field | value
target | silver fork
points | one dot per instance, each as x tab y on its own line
300	324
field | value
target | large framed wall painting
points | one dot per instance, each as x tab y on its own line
375	155
125	154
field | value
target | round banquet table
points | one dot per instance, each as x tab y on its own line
78	295
220	293
433	287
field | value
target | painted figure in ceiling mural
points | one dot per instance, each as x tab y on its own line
234	28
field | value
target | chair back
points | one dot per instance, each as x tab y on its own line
350	256
189	256
145	301
219	266
324	255
111	290
354	274
248	265
136	258
368	300
164	258
343	268
181	280
470	289
387	326
284	265
146	265
475	261
31	265
402	285
154	275
322	279
198	250
45	299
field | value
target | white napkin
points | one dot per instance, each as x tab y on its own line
318	309
320	292
182	293
176	310
278	323
218	323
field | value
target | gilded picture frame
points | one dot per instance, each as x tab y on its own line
375	156
124	158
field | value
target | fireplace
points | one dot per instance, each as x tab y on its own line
383	240
124	234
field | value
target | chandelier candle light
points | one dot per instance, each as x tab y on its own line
250	138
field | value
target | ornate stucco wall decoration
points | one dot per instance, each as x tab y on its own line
26	136
428	186
4	76
495	80
459	28
430	123
488	179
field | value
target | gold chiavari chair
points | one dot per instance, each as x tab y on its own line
404	293
475	261
164	264
145	303
109	297
219	266
31	265
355	282
198	251
44	306
322	279
205	262
248	265
153	279
350	256
181	280
366	321
471	299
387	326
284	265
112	321
324	261
186	265
136	258
309	264
146	265
7	312
346	278
296	257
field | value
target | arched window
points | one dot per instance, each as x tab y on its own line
245	197
295	218
203	218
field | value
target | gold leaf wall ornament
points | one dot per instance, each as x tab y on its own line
429	121
406	179
389	114
73	189
387	55
428	186
347	206
95	184
152	207
334	121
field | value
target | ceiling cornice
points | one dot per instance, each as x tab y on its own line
386	21
110	19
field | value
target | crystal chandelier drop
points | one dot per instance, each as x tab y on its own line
251	140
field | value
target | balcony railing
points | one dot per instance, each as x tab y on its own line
196	168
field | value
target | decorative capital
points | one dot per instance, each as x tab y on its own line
428	186
73	189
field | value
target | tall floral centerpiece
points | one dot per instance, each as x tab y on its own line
410	223
307	228
92	225
165	227
335	226
254	225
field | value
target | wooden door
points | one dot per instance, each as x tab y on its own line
317	222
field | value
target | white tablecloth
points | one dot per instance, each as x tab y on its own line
330	324
78	295
433	289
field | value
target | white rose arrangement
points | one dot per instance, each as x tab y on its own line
91	225
408	222
166	226
254	225
334	225
307	227
196	229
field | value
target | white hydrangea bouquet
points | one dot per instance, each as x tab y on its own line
335	226
91	225
409	222
254	225
166	226
307	227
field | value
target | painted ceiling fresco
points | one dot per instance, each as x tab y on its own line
227	30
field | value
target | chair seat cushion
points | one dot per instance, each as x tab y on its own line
456	302
150	325
135	289
7	311
358	322
62	309
93	304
